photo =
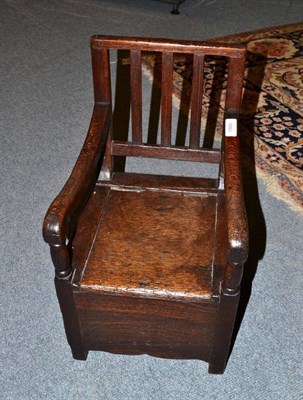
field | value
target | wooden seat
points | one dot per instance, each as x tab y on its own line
155	243
147	263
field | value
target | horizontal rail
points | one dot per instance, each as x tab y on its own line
169	45
169	153
133	181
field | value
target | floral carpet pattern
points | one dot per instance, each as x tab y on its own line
272	104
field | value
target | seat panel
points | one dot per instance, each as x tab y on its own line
137	229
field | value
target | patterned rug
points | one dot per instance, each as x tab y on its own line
272	104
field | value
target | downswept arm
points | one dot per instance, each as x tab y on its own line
235	207
61	218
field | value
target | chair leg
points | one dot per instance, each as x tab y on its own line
175	10
70	318
224	330
79	354
217	368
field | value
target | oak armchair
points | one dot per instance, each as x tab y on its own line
146	263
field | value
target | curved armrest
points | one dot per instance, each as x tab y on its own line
236	214
61	217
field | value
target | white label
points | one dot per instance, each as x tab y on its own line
231	127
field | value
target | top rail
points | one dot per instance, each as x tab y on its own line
168	45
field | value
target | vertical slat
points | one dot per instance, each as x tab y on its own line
101	75
234	85
196	101
166	106
136	95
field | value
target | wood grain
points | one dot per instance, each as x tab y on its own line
167	153
154	244
133	181
176	46
136	95
126	325
166	98
196	101
62	215
86	228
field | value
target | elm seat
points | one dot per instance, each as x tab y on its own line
161	245
147	263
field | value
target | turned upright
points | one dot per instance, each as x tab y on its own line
147	263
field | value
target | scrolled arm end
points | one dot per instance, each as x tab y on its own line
238	247
54	227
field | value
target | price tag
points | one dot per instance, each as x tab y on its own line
231	127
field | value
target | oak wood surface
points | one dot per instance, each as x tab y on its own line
167	153
196	101
127	325
166	104
181	184
154	244
86	230
236	214
176	46
149	264
72	198
136	95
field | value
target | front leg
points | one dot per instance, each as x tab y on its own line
61	260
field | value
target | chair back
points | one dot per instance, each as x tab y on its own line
235	55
